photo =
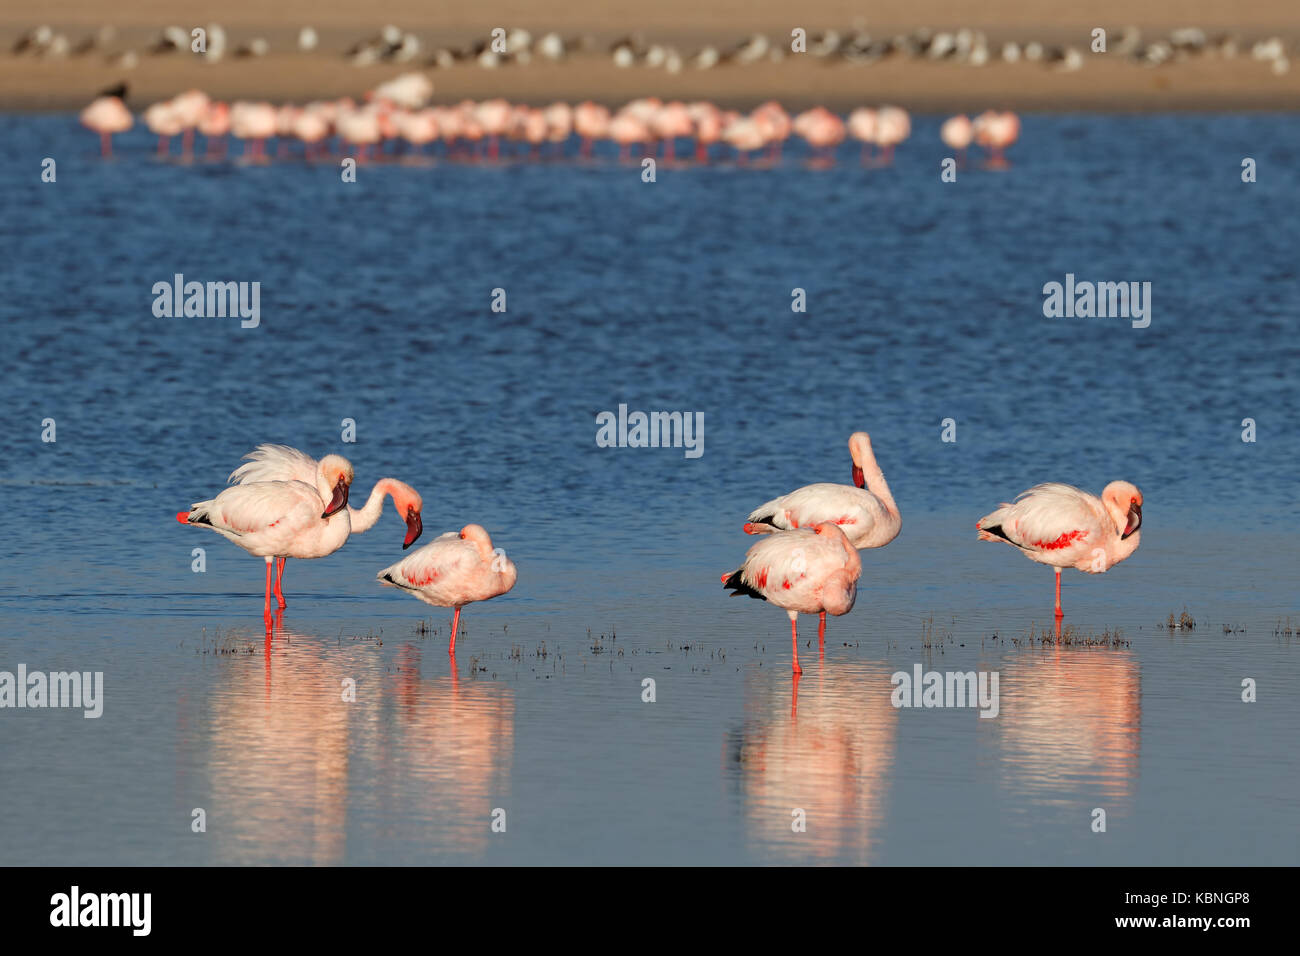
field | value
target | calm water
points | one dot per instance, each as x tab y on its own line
924	303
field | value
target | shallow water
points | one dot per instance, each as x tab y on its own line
924	303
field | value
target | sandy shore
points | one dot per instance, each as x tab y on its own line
1104	82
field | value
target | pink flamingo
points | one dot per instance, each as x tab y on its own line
282	519
1061	526
996	132
452	570
268	462
811	570
707	121
862	127
164	122
189	108
822	130
255	122
957	133
893	125
591	121
775	125
107	115
215	126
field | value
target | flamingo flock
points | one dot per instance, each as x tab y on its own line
809	561
395	118
285	504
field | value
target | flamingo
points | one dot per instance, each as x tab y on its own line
107	115
814	570
215	125
591	121
862	127
282	519
164	122
452	570
866	513
893	125
995	132
1064	527
268	462
957	133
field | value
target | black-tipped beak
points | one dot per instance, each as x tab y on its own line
858	478
414	528
340	499
1134	520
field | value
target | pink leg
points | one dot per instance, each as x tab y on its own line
821	628
794	644
455	626
279	578
105	145
266	601
1059	613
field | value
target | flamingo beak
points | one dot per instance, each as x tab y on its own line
414	528
340	499
858	478
1134	520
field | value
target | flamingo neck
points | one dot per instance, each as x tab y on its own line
364	518
876	484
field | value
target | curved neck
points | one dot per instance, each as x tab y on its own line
363	519
875	480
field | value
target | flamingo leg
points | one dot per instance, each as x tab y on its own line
455	626
279	578
105	145
1059	613
794	644
266	601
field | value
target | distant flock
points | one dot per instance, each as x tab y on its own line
854	46
396	116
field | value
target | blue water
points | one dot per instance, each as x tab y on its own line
924	303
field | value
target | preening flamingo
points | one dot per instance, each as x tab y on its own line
1064	527
107	115
452	570
269	462
282	519
811	570
866	512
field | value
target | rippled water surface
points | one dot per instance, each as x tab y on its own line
924	303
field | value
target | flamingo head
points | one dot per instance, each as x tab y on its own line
860	450
1124	502
477	535
335	479
409	505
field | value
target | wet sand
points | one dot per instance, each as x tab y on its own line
1104	83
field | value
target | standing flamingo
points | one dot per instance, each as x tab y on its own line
811	570
107	115
866	513
268	462
1065	527
957	133
284	519
452	570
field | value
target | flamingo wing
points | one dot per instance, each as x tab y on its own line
436	572
269	462
1048	518
856	510
281	506
786	564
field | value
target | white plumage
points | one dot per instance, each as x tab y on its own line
452	570
867	515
